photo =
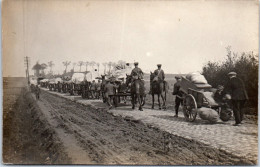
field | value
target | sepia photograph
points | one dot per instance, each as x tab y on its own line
130	82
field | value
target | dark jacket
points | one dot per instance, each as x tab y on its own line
110	89
98	86
176	90
160	74
236	88
137	73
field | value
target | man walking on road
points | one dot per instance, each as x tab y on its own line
37	92
236	88
109	92
98	89
177	92
93	89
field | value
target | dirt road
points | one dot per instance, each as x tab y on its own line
97	137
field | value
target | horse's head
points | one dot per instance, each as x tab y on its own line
152	75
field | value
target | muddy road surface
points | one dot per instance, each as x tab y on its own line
28	138
93	136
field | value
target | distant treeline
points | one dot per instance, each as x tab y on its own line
246	67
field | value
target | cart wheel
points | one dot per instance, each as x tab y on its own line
190	108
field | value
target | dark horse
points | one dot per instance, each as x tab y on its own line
137	91
160	88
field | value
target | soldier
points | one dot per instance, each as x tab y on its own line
178	93
93	88
236	88
137	73
37	92
98	89
123	89
159	75
109	92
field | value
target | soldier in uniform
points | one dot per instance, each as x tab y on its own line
137	73
236	88
178	94
159	76
109	92
98	89
93	88
37	92
159	73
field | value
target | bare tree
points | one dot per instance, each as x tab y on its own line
43	67
74	64
80	63
50	64
87	64
66	64
109	64
105	67
98	64
92	64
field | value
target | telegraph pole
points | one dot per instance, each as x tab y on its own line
27	64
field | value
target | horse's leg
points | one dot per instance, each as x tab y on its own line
153	101
163	99
140	102
133	101
159	101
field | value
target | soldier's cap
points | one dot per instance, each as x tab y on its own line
159	65
177	77
127	64
232	73
136	63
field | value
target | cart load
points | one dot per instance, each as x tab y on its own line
208	114
57	80
194	81
52	81
78	78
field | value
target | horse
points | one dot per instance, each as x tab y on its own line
137	91
160	88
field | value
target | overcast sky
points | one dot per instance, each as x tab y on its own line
181	35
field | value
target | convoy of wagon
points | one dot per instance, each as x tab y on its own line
198	95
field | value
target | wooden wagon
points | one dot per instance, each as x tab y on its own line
196	96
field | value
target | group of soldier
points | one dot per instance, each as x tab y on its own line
234	91
95	89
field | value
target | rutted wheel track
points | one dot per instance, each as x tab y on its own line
113	140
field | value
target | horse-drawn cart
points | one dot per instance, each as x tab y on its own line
200	95
120	93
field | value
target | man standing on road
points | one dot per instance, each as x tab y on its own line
98	89
37	92
178	93
92	89
236	88
109	92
